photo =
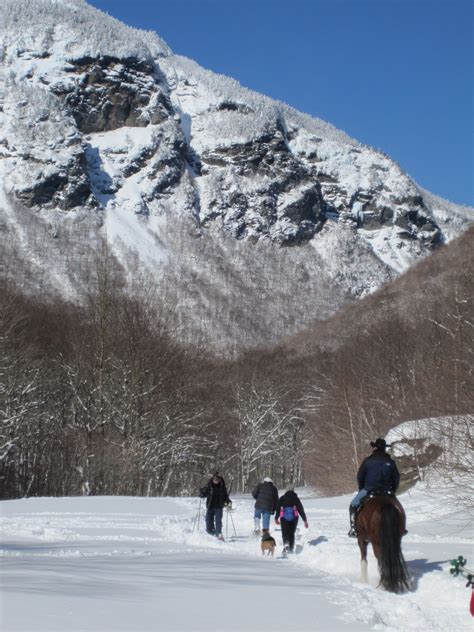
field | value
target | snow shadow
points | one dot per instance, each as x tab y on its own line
53	576
418	568
29	549
64	549
318	540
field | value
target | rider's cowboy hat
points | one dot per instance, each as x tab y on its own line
379	444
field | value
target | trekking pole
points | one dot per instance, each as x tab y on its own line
227	524
232	520
198	517
229	509
199	513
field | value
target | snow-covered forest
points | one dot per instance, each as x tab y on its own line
103	398
179	258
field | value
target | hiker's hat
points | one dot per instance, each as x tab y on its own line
379	444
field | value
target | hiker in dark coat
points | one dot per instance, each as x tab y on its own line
266	500
288	509
217	498
378	472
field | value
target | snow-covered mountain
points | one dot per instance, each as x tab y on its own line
105	132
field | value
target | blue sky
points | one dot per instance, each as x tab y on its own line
394	74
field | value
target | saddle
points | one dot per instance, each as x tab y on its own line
379	492
374	493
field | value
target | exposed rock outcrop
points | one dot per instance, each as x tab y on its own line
102	125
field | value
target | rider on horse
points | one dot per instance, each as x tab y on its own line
378	472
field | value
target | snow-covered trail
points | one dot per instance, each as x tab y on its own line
104	563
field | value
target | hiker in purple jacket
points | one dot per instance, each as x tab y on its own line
288	510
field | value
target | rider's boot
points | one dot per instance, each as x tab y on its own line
352	514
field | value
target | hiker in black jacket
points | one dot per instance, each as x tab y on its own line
266	500
217	498
289	508
378	472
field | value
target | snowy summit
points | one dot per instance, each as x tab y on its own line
106	133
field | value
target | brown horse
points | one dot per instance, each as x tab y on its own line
381	521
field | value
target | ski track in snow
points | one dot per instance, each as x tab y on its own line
115	563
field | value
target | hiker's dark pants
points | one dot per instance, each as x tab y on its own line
288	530
211	516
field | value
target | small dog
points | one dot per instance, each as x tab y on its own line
268	544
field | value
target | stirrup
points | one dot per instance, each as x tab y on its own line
352	533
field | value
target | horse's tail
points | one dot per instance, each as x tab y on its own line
393	570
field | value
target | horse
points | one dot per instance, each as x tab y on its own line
381	521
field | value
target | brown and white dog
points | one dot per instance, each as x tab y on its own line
268	544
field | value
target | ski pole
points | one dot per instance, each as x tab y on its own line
232	520
198	517
199	513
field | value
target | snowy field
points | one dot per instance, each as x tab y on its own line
103	563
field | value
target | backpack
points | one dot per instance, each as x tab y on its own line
288	513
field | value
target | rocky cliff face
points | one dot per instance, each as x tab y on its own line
103	126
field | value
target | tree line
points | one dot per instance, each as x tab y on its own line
102	397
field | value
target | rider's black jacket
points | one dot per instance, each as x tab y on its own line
378	471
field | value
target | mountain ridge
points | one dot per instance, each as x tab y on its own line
107	133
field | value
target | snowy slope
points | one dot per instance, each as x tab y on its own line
102	563
104	132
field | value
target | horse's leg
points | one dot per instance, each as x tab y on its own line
378	556
363	562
